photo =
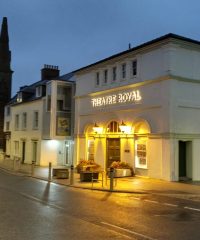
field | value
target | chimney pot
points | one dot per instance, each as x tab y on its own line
49	72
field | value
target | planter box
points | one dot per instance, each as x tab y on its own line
61	172
120	172
87	176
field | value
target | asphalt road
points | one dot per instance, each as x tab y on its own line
32	209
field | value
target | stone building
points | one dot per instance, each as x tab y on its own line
5	76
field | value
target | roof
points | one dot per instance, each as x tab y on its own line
156	40
29	90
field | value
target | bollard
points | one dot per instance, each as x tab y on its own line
111	178
32	168
14	163
72	175
49	174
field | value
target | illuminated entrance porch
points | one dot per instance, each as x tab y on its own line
117	141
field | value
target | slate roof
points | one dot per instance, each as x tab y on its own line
29	90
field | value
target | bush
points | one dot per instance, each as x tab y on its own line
84	163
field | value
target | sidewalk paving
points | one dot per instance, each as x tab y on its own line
137	185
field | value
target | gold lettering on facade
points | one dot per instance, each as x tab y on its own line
133	96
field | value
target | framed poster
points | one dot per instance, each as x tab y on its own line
141	154
63	126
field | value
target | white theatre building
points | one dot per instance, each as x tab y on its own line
39	120
153	92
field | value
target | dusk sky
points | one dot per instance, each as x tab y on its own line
75	33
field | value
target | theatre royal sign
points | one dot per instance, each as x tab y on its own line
124	97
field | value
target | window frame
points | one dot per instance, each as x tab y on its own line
114	74
134	69
35	126
124	71
105	76
97	79
24	120
16	122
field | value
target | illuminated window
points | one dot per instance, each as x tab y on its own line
141	154
90	149
113	127
19	97
134	68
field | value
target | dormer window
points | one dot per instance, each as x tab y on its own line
38	91
19	97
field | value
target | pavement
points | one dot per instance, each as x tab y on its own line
138	185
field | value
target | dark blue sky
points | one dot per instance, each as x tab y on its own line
75	33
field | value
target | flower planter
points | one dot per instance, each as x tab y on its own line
87	176
122	172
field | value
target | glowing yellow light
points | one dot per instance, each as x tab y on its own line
124	128
97	129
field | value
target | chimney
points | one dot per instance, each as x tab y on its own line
49	72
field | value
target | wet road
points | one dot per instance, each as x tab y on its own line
33	209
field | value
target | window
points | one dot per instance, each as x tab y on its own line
114	74
24	120
48	97
60	105
134	68
7	126
49	103
105	76
63	98
39	91
141	152
124	70
7	111
97	79
34	151
19	97
90	149
113	127
35	120
17	122
16	147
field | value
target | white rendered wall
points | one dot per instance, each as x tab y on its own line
29	134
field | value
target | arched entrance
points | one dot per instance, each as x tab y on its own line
113	143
